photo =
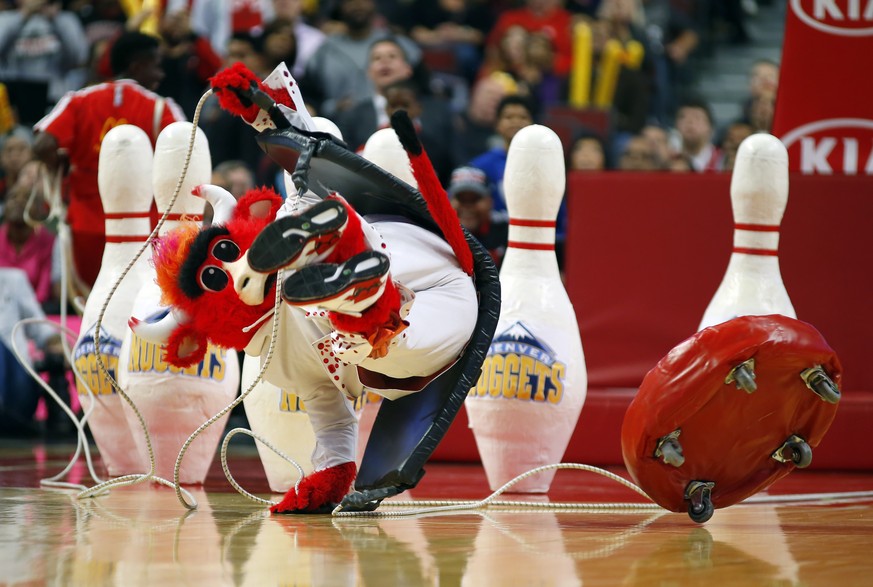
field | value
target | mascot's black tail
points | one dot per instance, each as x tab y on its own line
432	191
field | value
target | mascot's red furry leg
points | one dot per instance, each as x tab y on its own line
318	492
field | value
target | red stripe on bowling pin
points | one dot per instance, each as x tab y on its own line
532	223
126	215
529	245
764	252
757	227
771	252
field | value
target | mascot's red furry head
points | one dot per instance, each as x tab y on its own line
195	270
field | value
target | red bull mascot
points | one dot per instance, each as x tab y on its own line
383	291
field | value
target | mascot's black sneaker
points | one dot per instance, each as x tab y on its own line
348	288
295	241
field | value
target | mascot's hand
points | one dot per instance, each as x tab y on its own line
236	86
319	492
233	87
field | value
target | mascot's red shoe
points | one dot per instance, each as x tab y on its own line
319	492
729	411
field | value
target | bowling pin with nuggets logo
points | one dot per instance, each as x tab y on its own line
527	401
125	184
174	402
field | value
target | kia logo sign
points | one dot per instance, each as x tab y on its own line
844	145
848	18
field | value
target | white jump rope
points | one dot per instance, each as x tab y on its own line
412	507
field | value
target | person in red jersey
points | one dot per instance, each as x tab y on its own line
72	132
548	17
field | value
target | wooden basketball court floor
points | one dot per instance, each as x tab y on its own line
142	534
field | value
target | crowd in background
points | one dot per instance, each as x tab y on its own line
614	78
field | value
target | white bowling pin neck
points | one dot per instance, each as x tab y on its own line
759	181
759	195
124	181
752	284
533	184
171	150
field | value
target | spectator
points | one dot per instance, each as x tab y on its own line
230	138
673	39
19	393
42	42
730	13
543	85
545	16
101	19
247	49
617	36
763	80
15	152
188	61
308	38
760	112
659	143
237	178
587	153
76	126
695	126
513	114
219	20
278	44
456	26
471	199
475	126
679	163
335	78
637	156
234	176
30	248
390	70
508	53
735	134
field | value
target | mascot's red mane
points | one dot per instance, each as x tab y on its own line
169	253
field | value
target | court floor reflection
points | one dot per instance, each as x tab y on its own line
142	535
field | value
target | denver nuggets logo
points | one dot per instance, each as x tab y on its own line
85	361
148	358
290	402
366	398
519	366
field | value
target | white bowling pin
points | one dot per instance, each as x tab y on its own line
124	180
752	284
534	380
175	402
279	417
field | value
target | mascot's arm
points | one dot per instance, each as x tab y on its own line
318	492
235	88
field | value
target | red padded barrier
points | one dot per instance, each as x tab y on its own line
645	253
